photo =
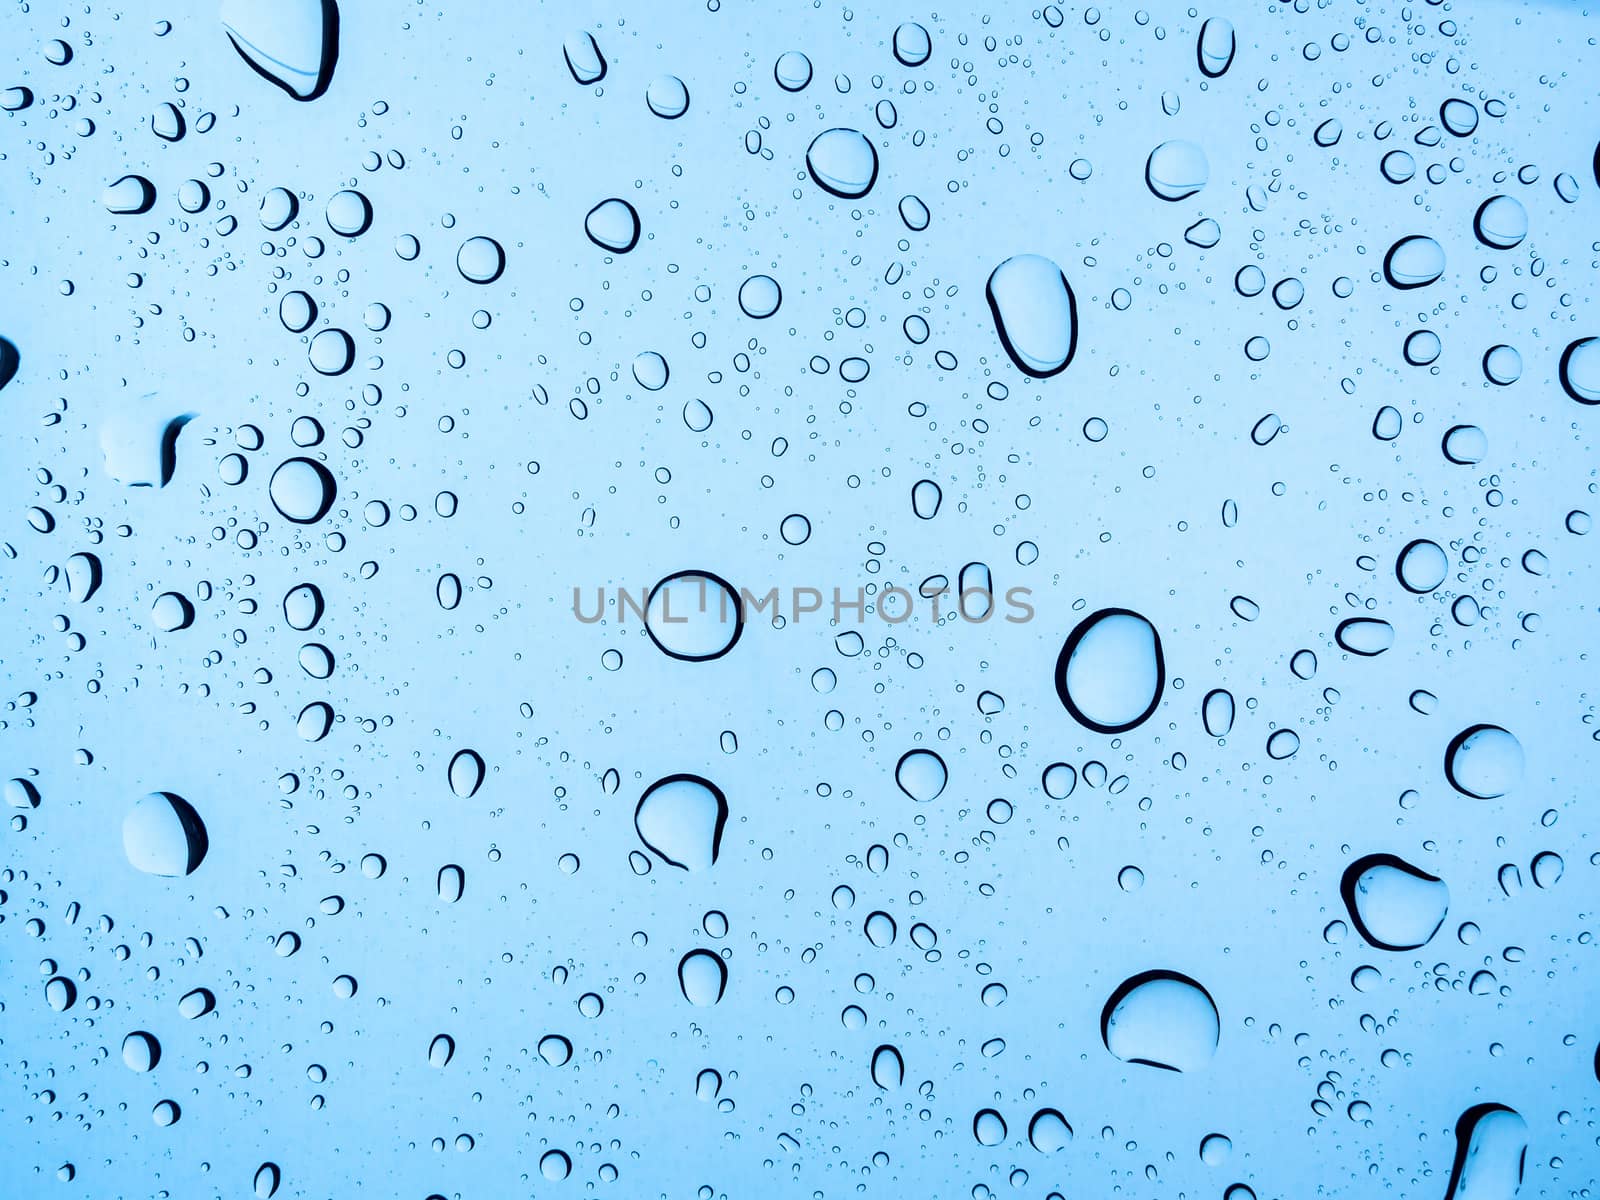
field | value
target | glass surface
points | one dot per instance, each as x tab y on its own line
729	599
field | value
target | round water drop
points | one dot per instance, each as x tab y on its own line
163	835
680	819
1459	116
988	1127
1464	445
129	196
480	260
613	225
1283	743
302	489
668	97
1413	262
842	162
1110	672
650	370
1215	1148
921	775
1035	314
1502	365
466	773
880	929
694	616
555	1165
702	977
1422	566
792	71
349	213
912	45
1501	222
1161	1019
1580	370
1049	1132
888	1068
440	1051
331	352
1394	905
1422	348
1484	761
1176	170
697	416
141	1052
1215	46
1491	1152
291	43
60	993
1059	780
795	529
166	1112
1366	636
555	1049
760	296
278	207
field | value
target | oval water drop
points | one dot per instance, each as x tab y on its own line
1413	262
1110	672
1035	314
163	835
466	773
888	1068
1365	636
921	774
291	43
843	163
702	977
1176	170
1215	46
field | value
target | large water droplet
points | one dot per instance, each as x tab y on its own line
1034	313
1366	636
1421	566
613	225
680	818
1580	370
1049	1132
1413	262
1491	1153
584	59
466	773
668	97
1215	46
480	260
792	71
1161	1019
921	775
702	977
1393	904
988	1127
1111	671
129	196
694	616
292	43
1501	222
1176	170
843	163
1483	761
141	1052
163	835
888	1068
760	296
302	489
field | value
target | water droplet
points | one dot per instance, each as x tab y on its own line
292	43
1501	222
760	296
843	163
1034	313
988	1127
1491	1152
1176	170
129	196
331	352
480	260
163	835
1483	761
466	773
613	225
1393	904
680	819
1110	672
888	1068
1580	370
702	977
302	489
792	71
1365	636
141	1052
668	97
694	616
921	775
584	59
1161	1019
1049	1132
1421	566
1215	46
912	45
1413	262
348	213
440	1051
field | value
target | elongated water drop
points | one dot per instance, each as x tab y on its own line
1035	314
